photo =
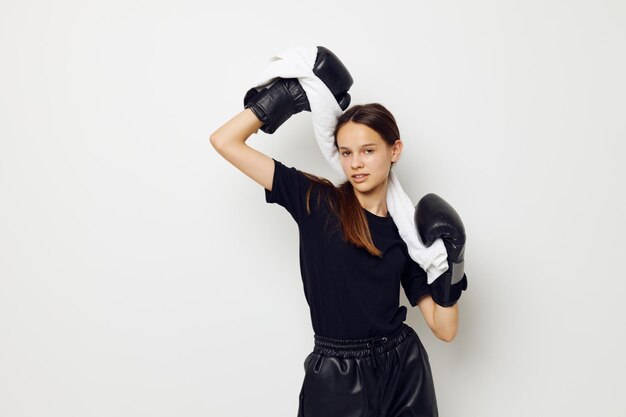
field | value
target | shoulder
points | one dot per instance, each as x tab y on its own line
316	182
292	172
319	188
289	177
297	190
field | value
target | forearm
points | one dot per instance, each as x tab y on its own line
237	130
446	321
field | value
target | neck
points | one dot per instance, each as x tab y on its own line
374	201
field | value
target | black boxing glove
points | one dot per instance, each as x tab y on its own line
334	74
435	218
275	104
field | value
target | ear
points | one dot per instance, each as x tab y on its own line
396	150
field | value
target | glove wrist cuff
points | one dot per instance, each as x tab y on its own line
444	294
273	106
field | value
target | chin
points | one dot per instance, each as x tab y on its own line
362	188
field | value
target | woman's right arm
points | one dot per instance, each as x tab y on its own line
230	142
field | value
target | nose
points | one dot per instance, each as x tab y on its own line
356	162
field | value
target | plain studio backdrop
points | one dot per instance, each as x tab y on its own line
143	275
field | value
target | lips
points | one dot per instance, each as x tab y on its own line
359	177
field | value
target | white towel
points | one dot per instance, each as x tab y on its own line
297	62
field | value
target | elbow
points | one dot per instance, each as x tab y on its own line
446	338
214	141
218	144
445	322
446	335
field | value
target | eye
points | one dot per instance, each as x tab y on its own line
345	153
371	151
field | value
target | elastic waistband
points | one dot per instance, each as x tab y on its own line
350	348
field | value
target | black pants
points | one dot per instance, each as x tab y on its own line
378	377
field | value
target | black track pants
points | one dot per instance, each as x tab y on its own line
378	377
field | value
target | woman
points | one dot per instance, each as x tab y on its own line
366	361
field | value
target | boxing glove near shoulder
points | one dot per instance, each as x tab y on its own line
435	218
275	104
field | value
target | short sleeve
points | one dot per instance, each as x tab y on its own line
289	189
414	281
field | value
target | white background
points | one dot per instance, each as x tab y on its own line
143	275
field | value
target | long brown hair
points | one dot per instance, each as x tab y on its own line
341	199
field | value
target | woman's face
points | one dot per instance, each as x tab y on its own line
365	157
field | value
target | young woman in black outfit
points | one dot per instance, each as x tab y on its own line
366	361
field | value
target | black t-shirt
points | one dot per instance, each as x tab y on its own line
351	293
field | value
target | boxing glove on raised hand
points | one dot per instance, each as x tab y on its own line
435	218
275	104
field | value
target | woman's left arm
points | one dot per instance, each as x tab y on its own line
443	321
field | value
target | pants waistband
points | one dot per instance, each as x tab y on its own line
349	348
